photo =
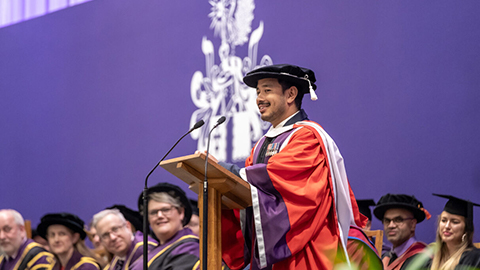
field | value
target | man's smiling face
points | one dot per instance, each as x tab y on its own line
271	101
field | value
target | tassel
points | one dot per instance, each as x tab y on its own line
313	96
427	214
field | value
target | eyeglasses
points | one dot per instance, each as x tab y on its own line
115	231
396	220
165	211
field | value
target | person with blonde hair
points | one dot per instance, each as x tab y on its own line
16	251
454	239
65	234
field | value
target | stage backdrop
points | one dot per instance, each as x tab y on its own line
93	95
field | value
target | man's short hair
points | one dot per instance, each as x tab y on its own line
286	85
17	217
100	215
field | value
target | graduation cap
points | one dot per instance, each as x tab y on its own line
461	207
172	190
194	204
403	201
364	207
302	78
68	220
131	215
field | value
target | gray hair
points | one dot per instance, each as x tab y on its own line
100	215
164	197
17	217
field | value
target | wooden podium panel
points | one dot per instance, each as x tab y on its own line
224	189
191	169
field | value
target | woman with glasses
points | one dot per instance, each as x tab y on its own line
65	234
169	211
454	240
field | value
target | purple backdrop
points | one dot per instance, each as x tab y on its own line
92	96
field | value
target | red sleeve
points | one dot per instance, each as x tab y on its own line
232	240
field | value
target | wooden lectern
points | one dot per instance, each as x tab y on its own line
225	189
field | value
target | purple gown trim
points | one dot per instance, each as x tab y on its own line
45	260
273	212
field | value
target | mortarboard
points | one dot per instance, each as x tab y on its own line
303	78
132	216
364	207
68	220
194	204
457	206
172	190
408	202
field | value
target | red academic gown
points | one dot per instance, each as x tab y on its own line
293	223
361	251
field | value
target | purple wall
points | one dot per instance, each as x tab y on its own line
92	96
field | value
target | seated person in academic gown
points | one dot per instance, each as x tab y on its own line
454	240
361	251
131	216
16	251
104	257
168	212
38	239
400	215
64	233
116	235
194	223
360	248
364	208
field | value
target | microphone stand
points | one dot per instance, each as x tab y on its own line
205	201
145	189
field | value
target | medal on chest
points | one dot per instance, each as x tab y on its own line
272	149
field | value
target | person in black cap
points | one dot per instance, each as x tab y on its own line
360	248
116	235
293	222
454	240
38	239
98	248
65	234
168	212
400	215
194	223
364	208
132	217
16	251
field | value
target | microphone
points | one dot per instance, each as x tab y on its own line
205	199
219	122
197	125
145	217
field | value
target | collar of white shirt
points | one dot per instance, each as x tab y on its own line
280	128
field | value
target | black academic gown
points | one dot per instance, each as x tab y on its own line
470	260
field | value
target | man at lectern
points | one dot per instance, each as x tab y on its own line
302	204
